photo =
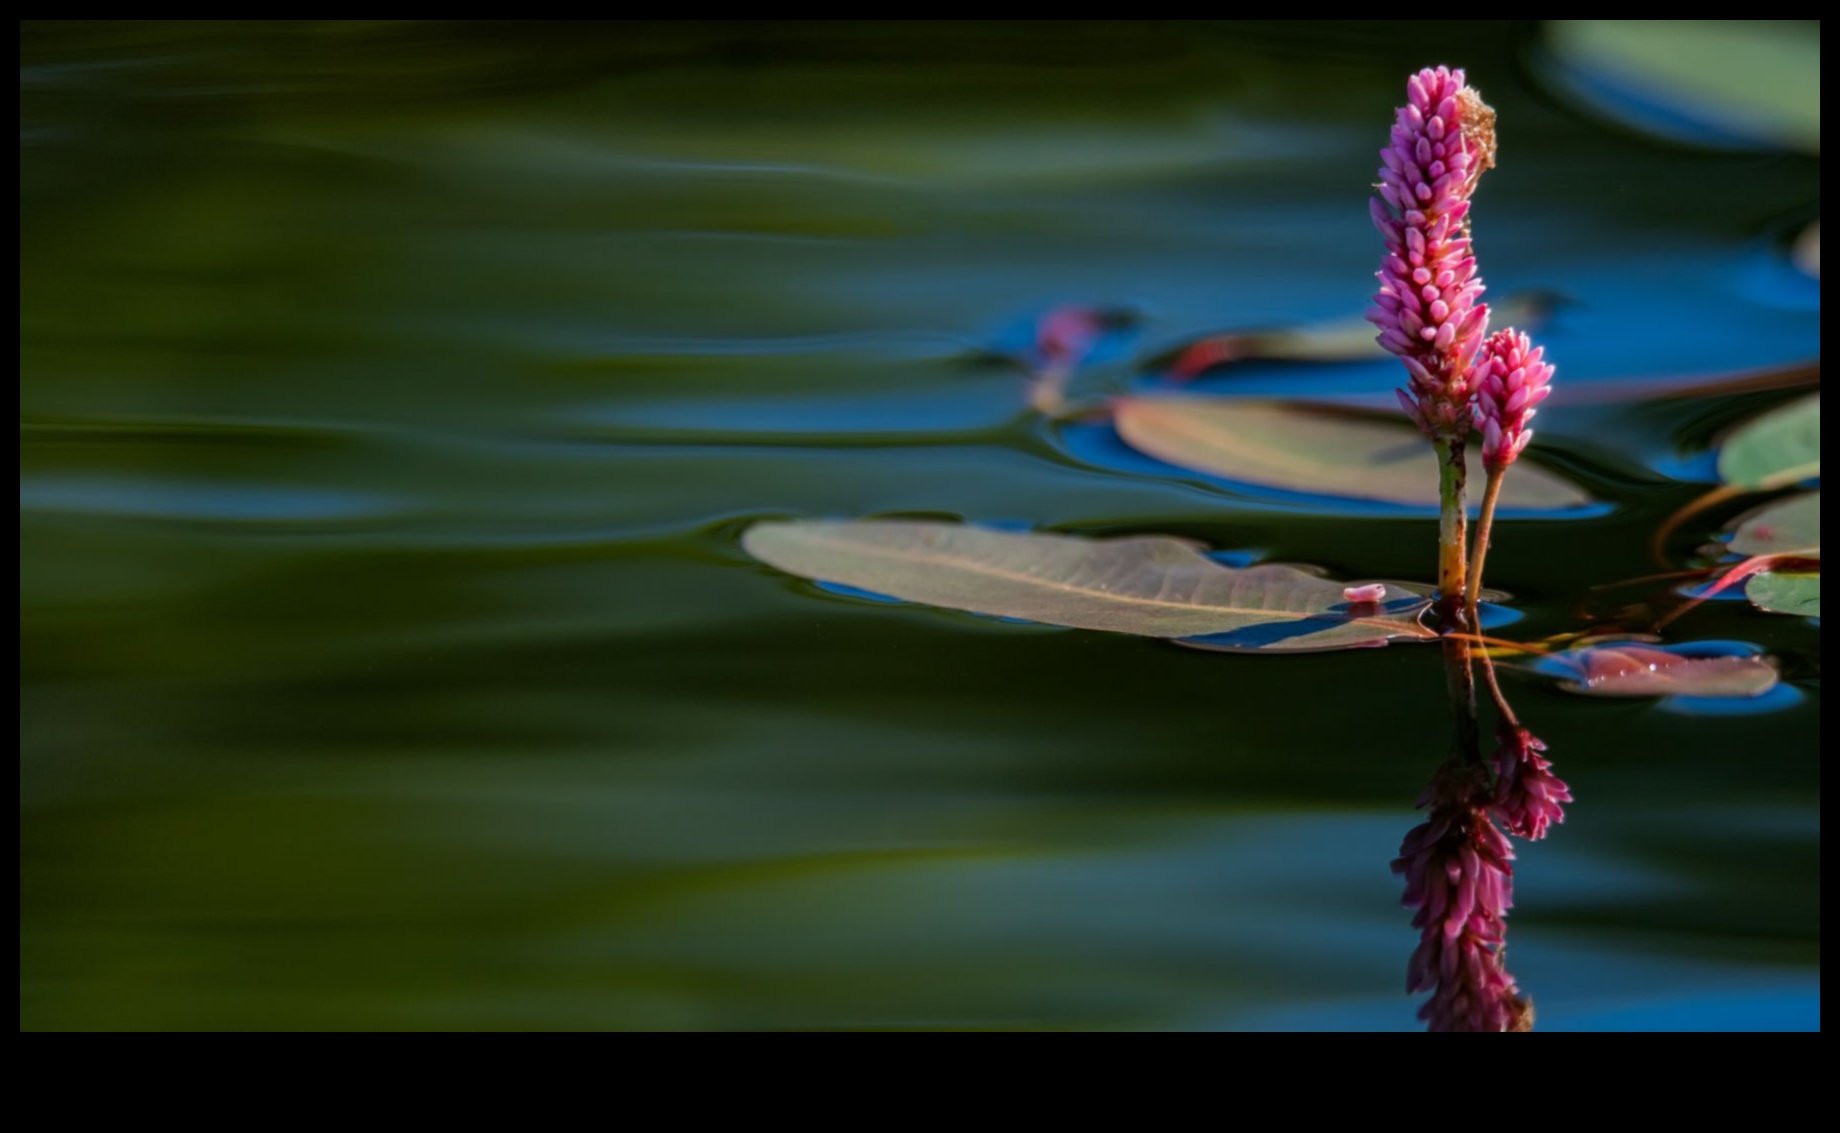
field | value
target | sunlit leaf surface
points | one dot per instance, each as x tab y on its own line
1717	82
1776	449
1150	585
1787	526
1305	448
1782	592
1631	669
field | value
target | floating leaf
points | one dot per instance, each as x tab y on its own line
1712	82
1807	253
1781	447
1790	526
1309	448
1783	537
1336	340
1701	669
1155	586
1783	592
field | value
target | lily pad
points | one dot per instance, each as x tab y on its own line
1154	586
1784	592
1310	448
1710	82
1780	448
1348	339
1700	669
1789	526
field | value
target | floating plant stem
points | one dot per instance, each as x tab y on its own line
1453	523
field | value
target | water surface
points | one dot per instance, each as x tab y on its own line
392	398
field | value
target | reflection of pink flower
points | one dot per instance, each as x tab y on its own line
1512	377
1527	794
1066	335
1458	877
1426	308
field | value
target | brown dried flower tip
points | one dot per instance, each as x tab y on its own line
1476	119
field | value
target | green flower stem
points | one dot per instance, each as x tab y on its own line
1453	523
1485	526
1459	674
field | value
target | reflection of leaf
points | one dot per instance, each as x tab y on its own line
1655	670
1779	448
1715	82
1150	585
1784	527
1785	593
1305	448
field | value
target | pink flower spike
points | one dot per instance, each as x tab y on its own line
1512	377
1426	309
1372	592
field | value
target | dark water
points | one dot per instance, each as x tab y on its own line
392	397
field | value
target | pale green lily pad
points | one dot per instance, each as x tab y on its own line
1785	593
1780	448
1309	448
1154	586
1788	526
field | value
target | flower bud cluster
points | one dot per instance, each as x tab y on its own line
1512	377
1427	308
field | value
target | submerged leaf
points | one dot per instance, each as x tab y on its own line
1782	592
1306	448
1154	586
1631	669
1790	526
1777	449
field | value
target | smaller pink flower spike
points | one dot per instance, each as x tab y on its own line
1512	378
1372	592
